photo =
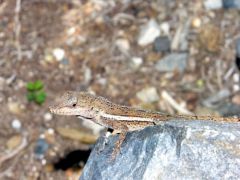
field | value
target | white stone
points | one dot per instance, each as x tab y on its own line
148	95
236	77
48	116
213	4
148	33
123	45
16	124
165	28
59	54
136	62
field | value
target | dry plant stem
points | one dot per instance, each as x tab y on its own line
13	153
18	29
166	96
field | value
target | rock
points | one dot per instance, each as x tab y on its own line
164	27
213	4
231	4
16	124
161	44
174	150
123	45
148	33
196	22
136	62
210	38
40	148
175	61
13	142
76	134
238	48
59	54
148	95
15	107
2	83
48	116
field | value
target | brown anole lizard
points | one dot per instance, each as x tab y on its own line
121	119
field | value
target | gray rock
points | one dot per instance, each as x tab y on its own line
213	4
177	149
175	61
238	47
148	33
161	44
231	4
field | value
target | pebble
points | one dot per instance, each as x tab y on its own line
59	54
175	61
196	22
165	28
48	116
13	142
40	148
78	135
15	107
213	4
16	124
231	4
123	45
238	47
148	95
210	37
2	83
148	33
161	44
136	62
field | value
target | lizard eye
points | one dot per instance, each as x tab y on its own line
74	104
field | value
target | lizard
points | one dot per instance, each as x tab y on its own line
121	119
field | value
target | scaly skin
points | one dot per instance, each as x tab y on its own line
114	116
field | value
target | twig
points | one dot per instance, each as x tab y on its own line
18	29
14	152
174	104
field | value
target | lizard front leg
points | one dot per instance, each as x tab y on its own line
119	142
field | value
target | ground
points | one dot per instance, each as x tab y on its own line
93	46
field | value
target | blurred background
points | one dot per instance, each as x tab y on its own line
172	56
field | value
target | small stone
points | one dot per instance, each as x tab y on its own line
238	48
236	77
87	75
76	134
2	83
15	107
136	62
196	22
16	124
48	116
148	95
231	4
148	33
59	54
236	99
161	44
40	148
123	45
213	4
165	28
13	142
175	61
210	38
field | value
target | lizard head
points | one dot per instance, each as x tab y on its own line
74	103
